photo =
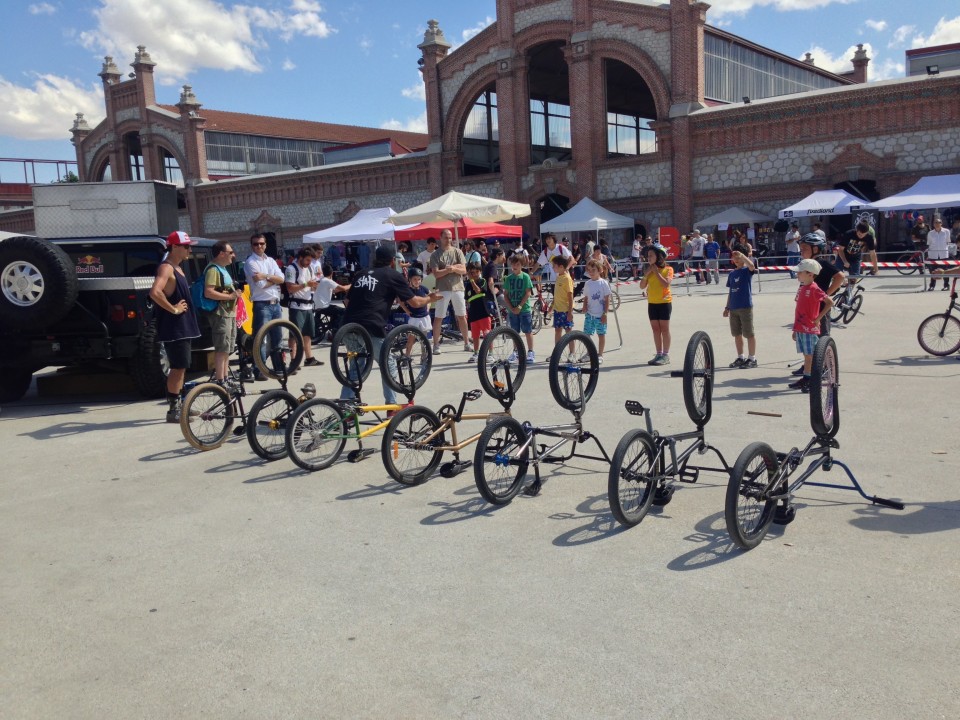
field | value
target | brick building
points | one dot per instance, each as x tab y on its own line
640	105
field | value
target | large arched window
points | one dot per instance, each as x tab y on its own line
131	144
630	110
104	174
549	82
481	136
171	168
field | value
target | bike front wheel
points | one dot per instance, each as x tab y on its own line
748	511
835	313
632	481
206	416
316	434
853	309
267	424
698	378
825	389
536	319
907	259
410	442
499	463
940	334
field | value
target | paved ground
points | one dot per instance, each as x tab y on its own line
143	579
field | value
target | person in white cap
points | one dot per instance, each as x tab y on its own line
812	305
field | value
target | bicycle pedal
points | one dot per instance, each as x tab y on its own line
689	476
634	408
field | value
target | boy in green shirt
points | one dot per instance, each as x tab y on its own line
517	289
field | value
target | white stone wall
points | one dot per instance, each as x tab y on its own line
655	44
760	167
924	150
184	223
490	189
312	214
633	181
127	114
559	10
451	86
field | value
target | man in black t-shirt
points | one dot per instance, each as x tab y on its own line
852	245
370	300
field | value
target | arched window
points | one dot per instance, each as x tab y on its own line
105	174
630	110
171	168
549	82
131	142
481	136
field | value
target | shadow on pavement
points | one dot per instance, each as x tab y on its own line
282	475
916	519
601	523
918	361
714	545
388	488
170	454
66	429
237	465
450	512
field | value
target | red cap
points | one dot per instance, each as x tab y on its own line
179	237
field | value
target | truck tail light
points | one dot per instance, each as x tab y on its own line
117	313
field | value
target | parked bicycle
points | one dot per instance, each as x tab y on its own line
910	262
940	334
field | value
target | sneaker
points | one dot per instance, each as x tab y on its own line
600	359
436	349
945	287
531	358
173	416
655	361
467	347
664	359
473	358
798	372
513	358
750	363
313	362
738	363
803	384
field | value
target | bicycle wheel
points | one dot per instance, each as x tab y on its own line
502	363
614	299
407	454
499	464
267	424
351	355
853	308
316	434
536	319
940	334
907	258
574	371
698	371
632	481
835	313
748	511
405	359
206	416
825	389
271	349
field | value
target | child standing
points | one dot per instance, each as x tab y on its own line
562	298
656	281
517	289
812	304
596	302
740	307
418	317
478	315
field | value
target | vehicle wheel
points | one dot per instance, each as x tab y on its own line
316	434
574	371
206	416
907	258
698	378
38	283
271	349
502	363
405	359
498	469
149	366
835	313
409	445
853	309
614	299
632	480
351	355
14	383
267	424
536	319
748	511
940	334
825	389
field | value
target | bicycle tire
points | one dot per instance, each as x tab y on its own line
853	309
288	361
747	512
631	483
940	334
206	416
267	424
536	319
824	389
406	460
499	475
907	258
351	355
500	377
698	370
316	425
835	313
574	357
401	372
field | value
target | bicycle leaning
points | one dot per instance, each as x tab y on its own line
940	334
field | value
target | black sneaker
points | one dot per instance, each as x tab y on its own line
803	384
798	372
750	363
738	363
313	362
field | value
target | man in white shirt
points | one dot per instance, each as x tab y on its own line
264	276
300	284
424	257
695	245
552	248
635	255
937	240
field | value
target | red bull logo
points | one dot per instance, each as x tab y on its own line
89	265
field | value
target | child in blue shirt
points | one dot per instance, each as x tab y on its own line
740	307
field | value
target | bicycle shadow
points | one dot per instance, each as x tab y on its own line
927	518
272	477
917	361
237	465
170	454
469	509
714	544
390	487
601	525
67	429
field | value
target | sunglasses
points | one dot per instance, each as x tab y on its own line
259	244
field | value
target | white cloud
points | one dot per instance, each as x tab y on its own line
182	35
946	32
41	9
365	44
45	111
878	25
741	7
416	124
840	63
886	69
288	64
478	28
417	91
901	35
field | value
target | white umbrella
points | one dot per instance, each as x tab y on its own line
455	206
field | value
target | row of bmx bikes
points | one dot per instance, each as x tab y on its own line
645	468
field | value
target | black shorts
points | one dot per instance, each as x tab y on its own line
659	311
178	354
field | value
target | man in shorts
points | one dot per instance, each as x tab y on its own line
449	266
739	307
301	285
218	285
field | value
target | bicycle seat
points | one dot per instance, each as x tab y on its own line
471	395
634	408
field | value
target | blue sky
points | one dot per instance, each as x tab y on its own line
347	61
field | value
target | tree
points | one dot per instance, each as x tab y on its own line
70	177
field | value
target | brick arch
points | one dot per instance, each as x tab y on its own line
529	38
558	185
100	159
161	142
644	65
463	103
869	165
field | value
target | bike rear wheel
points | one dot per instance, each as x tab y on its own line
408	458
632	481
574	371
835	313
316	434
825	389
498	464
748	511
698	378
271	349
267	424
940	334
502	363
206	416
907	258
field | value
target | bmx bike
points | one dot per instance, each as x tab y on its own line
940	334
646	465
507	447
416	437
760	491
846	302
318	430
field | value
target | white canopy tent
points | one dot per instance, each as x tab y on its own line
365	225
456	206
734	216
937	191
823	202
587	215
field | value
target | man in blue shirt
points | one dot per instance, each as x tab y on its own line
711	251
739	307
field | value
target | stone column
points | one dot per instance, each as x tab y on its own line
687	18
80	130
110	75
195	150
860	62
433	49
510	115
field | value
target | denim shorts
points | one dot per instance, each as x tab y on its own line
522	323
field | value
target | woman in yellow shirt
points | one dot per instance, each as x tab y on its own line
656	281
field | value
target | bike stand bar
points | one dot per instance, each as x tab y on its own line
855	485
616	320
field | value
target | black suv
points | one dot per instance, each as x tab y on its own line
84	301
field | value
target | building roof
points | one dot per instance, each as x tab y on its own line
244	124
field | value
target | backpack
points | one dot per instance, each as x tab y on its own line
200	301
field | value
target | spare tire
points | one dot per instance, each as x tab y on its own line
38	283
